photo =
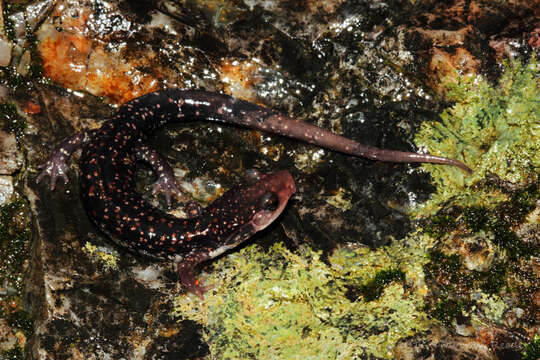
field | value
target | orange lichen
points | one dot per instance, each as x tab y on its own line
73	59
32	108
449	65
239	78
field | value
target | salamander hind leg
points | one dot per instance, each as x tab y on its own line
166	183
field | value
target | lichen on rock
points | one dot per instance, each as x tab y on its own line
494	129
293	305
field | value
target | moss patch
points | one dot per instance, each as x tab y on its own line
446	271
499	219
532	349
447	310
373	288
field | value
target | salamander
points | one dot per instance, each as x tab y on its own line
107	177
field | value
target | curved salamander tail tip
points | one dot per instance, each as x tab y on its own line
462	166
427	158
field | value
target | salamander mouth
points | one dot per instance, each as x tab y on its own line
243	234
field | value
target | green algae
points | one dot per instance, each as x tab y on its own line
360	302
10	119
292	305
21	320
455	307
495	129
14	242
15	353
457	292
493	280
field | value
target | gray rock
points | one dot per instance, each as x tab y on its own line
478	251
11	158
5	52
6	189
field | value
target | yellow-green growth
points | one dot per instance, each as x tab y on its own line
105	257
277	304
341	199
492	306
532	349
494	129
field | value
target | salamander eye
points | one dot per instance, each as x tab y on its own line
269	201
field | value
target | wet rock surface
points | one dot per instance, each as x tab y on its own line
438	344
368	70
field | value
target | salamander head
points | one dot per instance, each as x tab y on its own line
247	209
270	193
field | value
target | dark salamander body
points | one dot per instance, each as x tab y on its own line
108	172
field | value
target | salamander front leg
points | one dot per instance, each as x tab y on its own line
166	182
186	269
56	165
